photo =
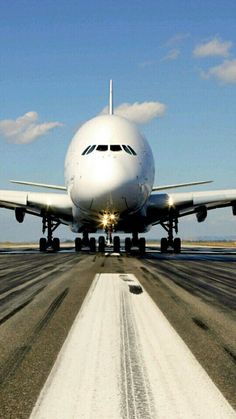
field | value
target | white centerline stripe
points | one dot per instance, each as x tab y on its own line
123	359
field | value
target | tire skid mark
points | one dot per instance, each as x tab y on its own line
134	385
20	353
201	284
21	306
24	276
230	353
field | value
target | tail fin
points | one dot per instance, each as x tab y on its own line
111	98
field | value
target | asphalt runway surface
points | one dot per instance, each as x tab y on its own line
41	296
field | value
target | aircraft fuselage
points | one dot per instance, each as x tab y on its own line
109	169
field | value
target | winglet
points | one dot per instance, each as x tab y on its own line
111	98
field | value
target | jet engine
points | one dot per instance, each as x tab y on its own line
201	213
20	214
234	207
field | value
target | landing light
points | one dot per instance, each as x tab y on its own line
108	219
170	202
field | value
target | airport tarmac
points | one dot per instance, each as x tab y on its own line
41	296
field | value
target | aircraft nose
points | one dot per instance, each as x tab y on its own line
109	183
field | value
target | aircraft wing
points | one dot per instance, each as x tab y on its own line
182	204
59	206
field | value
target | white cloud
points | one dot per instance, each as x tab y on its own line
171	55
225	73
146	64
140	113
176	39
25	129
214	47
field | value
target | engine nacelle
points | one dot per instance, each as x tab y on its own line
234	207
201	213
20	214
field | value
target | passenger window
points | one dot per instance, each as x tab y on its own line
115	147
102	148
91	149
132	150
126	149
85	151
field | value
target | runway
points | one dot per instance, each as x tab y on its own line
41	296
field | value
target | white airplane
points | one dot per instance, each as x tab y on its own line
109	175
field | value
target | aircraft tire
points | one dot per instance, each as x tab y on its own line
56	244
142	245
101	244
177	245
92	244
42	244
128	244
116	244
164	245
78	244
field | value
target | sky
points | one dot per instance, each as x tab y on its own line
173	64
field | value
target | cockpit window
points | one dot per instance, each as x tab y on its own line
102	147
85	151
126	149
91	149
115	147
132	150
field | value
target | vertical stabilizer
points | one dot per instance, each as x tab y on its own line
111	98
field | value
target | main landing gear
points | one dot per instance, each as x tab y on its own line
135	243
85	242
49	242
170	243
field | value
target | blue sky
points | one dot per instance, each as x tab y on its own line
56	59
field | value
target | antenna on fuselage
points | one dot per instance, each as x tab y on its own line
111	98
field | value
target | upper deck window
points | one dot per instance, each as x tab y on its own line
102	147
115	147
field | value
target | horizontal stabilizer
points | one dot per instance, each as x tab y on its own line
179	185
39	185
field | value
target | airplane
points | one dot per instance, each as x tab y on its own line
109	187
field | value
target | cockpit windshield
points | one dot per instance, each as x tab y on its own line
112	147
102	147
115	147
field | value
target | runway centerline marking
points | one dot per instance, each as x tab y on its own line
123	359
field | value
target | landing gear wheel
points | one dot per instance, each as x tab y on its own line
78	244
142	245
56	244
42	244
128	244
164	245
92	244
177	245
116	244
101	244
